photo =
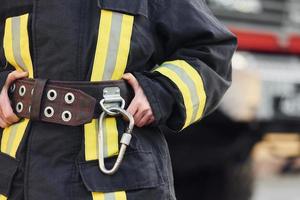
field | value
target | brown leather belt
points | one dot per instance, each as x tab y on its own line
63	102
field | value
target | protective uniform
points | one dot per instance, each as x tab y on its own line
177	50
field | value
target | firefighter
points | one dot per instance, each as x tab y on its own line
66	114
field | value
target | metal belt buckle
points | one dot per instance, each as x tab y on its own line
111	99
113	105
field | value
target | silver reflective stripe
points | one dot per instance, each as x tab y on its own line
190	84
114	42
16	35
109	196
12	136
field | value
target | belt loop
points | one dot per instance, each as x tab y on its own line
37	96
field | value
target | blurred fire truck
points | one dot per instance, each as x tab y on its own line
266	75
264	97
268	34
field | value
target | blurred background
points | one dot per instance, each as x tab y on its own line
249	149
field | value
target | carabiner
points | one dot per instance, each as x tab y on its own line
125	140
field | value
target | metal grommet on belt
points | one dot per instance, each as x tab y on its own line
66	116
22	90
19	107
51	95
12	88
49	111
69	98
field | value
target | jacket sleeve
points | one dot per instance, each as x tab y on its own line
195	69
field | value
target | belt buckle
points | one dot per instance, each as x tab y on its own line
112	98
113	105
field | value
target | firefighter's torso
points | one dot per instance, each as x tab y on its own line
78	40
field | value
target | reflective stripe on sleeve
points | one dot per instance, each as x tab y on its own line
190	84
17	53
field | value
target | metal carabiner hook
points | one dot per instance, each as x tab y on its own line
125	140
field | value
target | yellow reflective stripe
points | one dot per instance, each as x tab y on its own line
91	129
187	99
17	53
8	44
102	45
121	196
109	196
198	82
18	138
112	33
91	141
2	197
98	196
190	84
16	43
24	44
111	137
124	47
106	35
12	137
111	146
12	134
5	138
111	56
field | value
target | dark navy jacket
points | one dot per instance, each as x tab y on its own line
180	55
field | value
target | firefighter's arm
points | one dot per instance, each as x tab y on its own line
195	71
